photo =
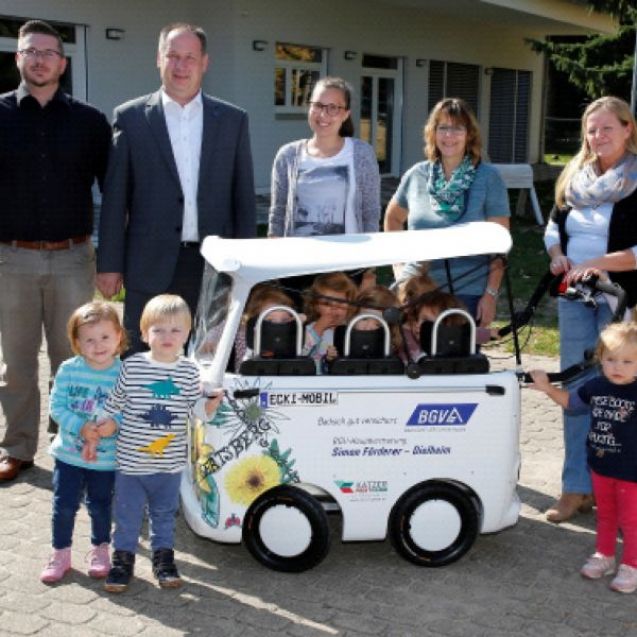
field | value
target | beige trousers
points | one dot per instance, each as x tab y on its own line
38	289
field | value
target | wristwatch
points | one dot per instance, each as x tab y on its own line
494	293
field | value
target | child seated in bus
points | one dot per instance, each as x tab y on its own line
263	297
375	300
328	303
432	305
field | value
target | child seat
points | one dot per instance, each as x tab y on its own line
277	346
452	347
364	351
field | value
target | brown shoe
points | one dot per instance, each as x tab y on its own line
11	467
568	505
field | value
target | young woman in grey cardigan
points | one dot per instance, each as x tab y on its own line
328	184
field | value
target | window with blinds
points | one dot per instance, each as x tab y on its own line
452	79
509	116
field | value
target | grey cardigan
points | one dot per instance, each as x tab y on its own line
283	189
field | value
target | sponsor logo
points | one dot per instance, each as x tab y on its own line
362	487
298	399
436	415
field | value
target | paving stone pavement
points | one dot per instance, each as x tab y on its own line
522	581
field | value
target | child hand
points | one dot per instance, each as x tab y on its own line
331	353
212	404
540	380
89	431
89	452
106	428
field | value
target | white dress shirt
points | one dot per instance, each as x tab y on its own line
185	129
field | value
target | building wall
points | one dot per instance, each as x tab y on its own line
120	70
368	27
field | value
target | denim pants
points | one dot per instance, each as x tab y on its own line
579	329
38	289
160	491
70	483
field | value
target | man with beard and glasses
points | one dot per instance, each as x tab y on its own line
52	148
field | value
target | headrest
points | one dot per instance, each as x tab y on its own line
278	340
453	340
363	343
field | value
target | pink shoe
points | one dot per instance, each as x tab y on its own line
597	566
59	564
99	561
626	579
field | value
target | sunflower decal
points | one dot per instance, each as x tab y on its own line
250	477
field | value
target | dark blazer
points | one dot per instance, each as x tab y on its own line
142	205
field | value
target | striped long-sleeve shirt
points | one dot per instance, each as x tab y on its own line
78	395
152	401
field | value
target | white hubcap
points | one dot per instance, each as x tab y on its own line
435	525
285	530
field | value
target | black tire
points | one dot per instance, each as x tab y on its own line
400	524
309	508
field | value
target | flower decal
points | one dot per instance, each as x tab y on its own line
251	477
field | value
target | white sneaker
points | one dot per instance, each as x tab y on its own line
626	579
597	566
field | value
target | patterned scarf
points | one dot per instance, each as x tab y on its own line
447	197
587	188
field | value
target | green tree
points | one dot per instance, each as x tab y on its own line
598	64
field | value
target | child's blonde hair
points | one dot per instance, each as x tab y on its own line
377	296
261	295
615	336
323	285
89	314
163	307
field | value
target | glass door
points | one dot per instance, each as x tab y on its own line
381	96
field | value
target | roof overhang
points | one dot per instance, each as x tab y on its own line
537	16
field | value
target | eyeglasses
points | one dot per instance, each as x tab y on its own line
33	54
330	109
451	130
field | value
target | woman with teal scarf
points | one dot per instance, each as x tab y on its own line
453	185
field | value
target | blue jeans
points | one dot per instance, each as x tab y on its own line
160	491
579	329
69	485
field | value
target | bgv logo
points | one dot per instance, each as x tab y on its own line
434	415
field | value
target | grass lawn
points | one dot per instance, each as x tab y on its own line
557	159
527	264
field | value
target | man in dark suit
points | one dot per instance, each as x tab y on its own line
180	169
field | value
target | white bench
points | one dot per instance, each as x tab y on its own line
521	176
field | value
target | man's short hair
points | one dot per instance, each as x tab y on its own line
184	26
42	27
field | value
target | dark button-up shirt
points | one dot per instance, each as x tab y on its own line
49	159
